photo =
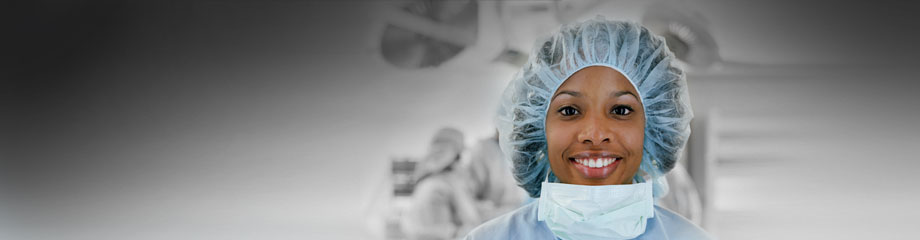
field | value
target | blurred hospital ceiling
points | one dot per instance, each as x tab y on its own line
427	33
711	36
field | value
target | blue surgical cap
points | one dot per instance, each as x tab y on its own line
626	47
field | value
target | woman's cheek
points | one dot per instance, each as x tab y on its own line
556	141
560	138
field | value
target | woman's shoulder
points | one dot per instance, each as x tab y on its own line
518	224
673	224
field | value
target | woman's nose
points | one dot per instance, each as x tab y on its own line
594	132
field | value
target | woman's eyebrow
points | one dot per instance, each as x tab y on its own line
573	93
621	93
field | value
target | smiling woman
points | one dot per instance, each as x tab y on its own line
594	129
592	123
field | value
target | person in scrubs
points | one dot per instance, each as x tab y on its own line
592	123
490	181
441	205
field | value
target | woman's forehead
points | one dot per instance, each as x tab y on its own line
596	79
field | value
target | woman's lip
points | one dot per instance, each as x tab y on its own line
592	154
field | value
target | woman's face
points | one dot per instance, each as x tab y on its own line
595	128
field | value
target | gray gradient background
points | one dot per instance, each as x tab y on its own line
276	119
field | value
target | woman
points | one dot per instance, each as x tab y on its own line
592	123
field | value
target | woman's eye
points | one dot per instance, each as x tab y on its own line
568	111
622	110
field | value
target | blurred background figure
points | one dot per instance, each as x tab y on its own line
445	193
441	207
490	180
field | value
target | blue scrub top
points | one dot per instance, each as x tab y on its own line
522	224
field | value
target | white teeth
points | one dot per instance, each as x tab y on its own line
595	162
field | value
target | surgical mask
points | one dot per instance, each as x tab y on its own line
575	212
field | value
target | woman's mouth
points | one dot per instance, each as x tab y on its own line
596	167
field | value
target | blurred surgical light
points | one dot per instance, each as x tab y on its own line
686	32
428	33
